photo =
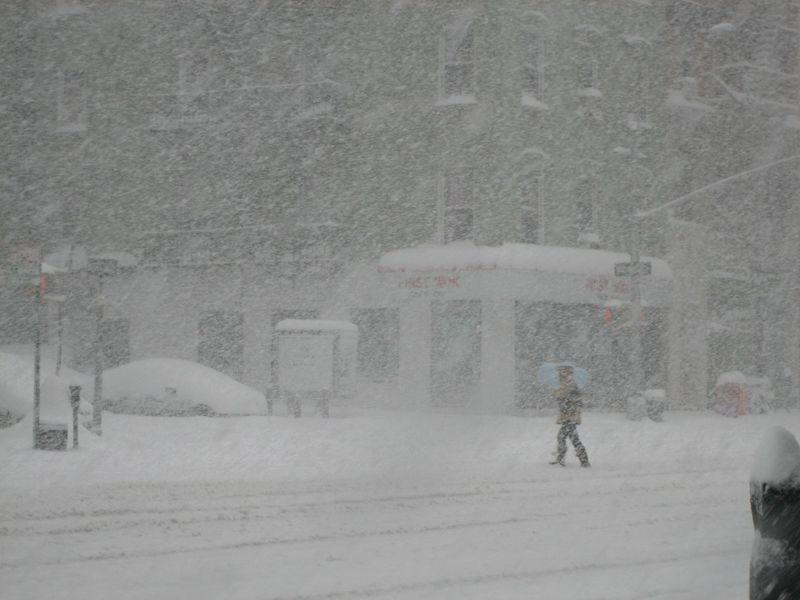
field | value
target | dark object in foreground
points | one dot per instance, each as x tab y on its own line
52	436
775	506
570	405
75	403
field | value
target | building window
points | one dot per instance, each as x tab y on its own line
458	206
585	213
194	79
193	74
378	347
638	117
115	341
457	71
587	68
787	54
531	209
71	98
221	342
532	68
455	352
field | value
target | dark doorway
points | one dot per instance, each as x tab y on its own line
221	342
115	336
455	352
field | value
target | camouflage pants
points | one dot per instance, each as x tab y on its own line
570	430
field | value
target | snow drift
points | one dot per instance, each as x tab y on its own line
16	387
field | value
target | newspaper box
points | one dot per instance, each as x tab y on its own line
316	361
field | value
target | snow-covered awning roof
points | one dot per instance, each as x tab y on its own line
315	325
466	256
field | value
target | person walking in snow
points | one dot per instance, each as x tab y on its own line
570	404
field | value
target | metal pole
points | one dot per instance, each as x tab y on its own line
37	356
60	337
75	427
636	309
75	402
97	409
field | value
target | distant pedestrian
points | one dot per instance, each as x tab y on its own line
570	404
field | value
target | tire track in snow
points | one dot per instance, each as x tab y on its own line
481	485
482	491
531	518
233	514
451	582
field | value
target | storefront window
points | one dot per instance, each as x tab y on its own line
378	348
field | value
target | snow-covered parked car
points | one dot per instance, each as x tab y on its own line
171	386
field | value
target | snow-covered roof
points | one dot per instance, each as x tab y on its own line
466	256
315	325
736	377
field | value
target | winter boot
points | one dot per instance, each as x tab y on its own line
558	461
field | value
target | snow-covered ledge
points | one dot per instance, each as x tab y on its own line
456	100
528	100
466	256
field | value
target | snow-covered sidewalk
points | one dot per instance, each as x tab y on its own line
385	506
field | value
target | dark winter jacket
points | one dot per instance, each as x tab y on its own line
570	404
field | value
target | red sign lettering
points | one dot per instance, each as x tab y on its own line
435	281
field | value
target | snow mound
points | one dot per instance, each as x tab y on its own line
777	458
736	377
16	387
54	404
171	386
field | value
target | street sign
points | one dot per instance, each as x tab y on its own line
631	269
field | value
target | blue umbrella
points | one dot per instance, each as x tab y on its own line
548	374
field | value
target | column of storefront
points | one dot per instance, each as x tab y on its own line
415	351
497	355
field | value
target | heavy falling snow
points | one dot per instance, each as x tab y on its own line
306	299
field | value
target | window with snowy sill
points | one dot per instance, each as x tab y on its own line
457	65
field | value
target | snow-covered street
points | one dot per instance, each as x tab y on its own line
383	506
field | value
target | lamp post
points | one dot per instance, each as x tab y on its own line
635	270
99	267
37	354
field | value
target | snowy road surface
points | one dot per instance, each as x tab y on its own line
423	506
